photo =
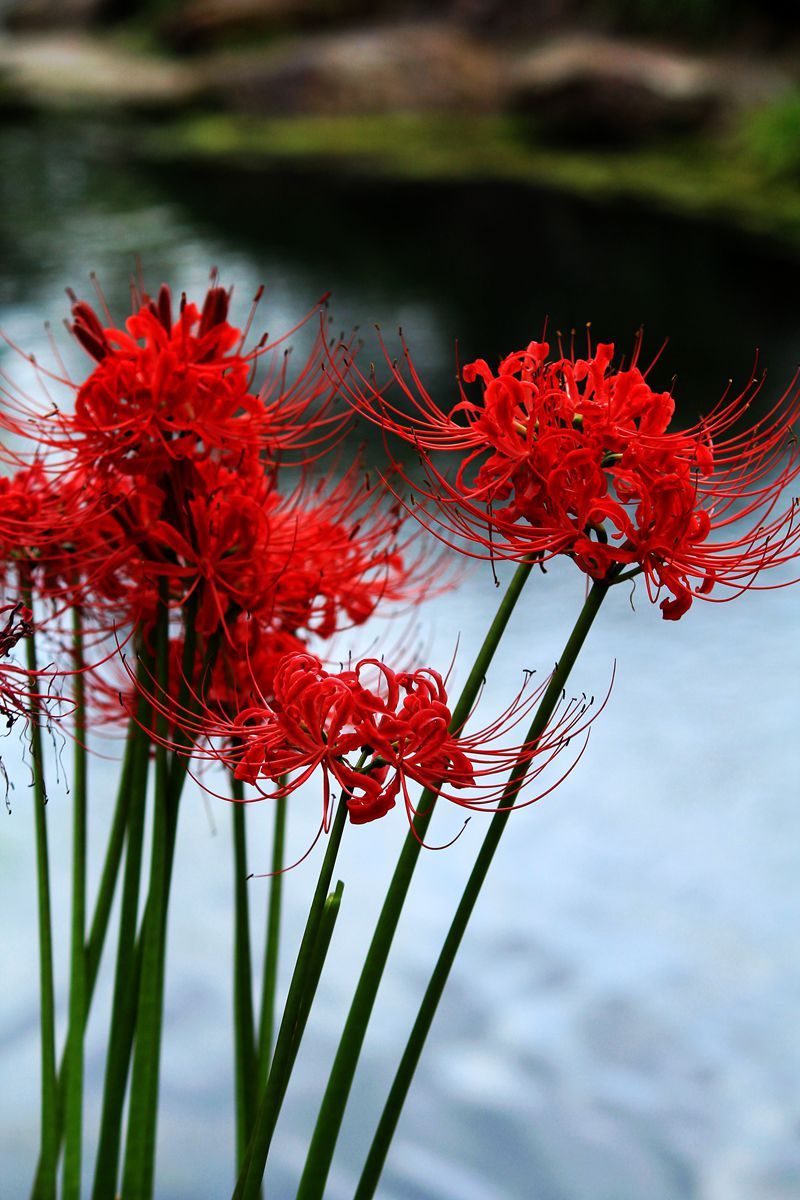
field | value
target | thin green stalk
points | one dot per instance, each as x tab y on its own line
111	865
73	1108
131	951
314	1180
245	1062
126	978
49	1149
352	1039
139	1166
110	872
99	927
327	925
270	983
249	1182
127	1015
170	777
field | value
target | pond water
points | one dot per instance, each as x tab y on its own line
622	1021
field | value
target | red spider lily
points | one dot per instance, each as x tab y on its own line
172	458
46	524
571	456
162	392
399	720
268	569
60	537
169	387
318	560
336	552
315	561
244	674
216	546
32	514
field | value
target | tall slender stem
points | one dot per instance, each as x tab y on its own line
330	915
73	1118
391	1114
271	949
126	976
344	1065
139	1167
99	926
111	864
150	962
49	1136
245	1061
249	1182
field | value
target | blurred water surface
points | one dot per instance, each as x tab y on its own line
622	1021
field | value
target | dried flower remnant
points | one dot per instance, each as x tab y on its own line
13	693
16	697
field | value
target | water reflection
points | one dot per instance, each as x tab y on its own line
621	1022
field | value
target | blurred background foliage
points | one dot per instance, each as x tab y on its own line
692	105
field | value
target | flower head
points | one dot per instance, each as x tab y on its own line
172	386
177	382
371	730
165	474
574	456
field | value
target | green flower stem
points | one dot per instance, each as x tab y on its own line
126	978
405	1072
249	1182
131	951
246	1067
139	1166
111	864
352	1039
73	1119
327	925
170	777
49	1150
270	982
99	927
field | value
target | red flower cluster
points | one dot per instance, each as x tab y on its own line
169	387
40	518
165	479
396	723
573	456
